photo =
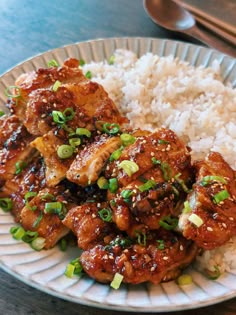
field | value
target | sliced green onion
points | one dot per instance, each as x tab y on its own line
52	63
113	203
129	167
126	194
56	85
69	272
29	195
18	233
75	142
63	244
20	165
116	154
1	113
221	196
127	139
155	161
195	219
161	141
102	183
113	185
117	280
38	220
6	204
148	185
48	196
111	129
65	151
187	207
55	207
168	223
38	243
212	178
13	229
184	279
161	244
17	91
141	238
81	62
29	236
182	183
166	170
83	132
213	275
111	60
73	268
69	113
88	74
58	117
105	214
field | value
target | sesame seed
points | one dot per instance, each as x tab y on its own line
93	215
210	229
181	247
231	218
224	225
165	258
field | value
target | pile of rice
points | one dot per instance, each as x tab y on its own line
157	91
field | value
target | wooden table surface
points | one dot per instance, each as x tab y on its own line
29	27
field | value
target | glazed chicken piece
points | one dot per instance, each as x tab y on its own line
30	179
160	256
154	175
87	224
90	161
14	147
44	213
48	145
39	79
210	218
88	100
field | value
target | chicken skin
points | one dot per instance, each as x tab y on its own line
210	220
160	256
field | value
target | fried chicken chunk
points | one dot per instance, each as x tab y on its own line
30	179
210	220
160	257
14	146
154	174
87	224
90	161
41	79
44	213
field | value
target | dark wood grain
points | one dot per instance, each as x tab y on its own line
29	27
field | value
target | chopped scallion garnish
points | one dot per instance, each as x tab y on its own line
105	214
184	279
52	63
111	60
6	204
168	222
102	183
221	196
65	151
13	91
116	154
81	62
195	219
55	207
83	132
38	220
113	185
129	167
73	268
127	139
161	244
38	243
56	85
187	207
88	74
212	178
141	238
111	129
117	280
20	165
1	113
75	142
148	185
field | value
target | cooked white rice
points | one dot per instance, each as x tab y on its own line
162	91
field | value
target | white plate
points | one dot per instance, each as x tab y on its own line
44	270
